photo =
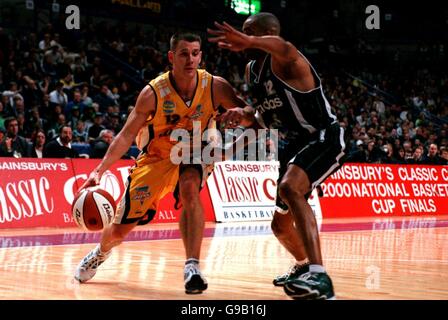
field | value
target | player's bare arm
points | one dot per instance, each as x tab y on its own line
144	107
239	113
287	62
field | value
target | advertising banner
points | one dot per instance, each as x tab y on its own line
366	190
243	190
39	192
32	192
246	191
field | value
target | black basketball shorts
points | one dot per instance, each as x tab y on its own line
318	158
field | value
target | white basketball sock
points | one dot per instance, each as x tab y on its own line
317	268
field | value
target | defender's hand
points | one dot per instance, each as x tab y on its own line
227	37
231	118
236	117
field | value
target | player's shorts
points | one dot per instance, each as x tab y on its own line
148	182
319	158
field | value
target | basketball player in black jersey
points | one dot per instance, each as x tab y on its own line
289	98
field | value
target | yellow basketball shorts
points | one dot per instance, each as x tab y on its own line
148	182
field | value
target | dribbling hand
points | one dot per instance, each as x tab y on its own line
93	180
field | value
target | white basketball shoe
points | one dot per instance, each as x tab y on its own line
90	263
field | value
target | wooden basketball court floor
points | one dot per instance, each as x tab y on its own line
400	258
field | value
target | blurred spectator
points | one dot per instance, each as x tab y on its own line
88	116
35	121
100	145
58	96
85	99
2	116
400	156
407	146
12	144
80	133
358	153
38	144
417	156
45	43
389	156
48	66
7	106
127	97
68	83
432	157
114	122
96	127
24	130
368	154
104	99
444	155
56	126
45	105
61	147
18	105
54	54
12	92
74	117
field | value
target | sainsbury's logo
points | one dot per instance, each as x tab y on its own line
243	189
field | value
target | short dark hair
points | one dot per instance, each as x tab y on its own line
64	126
9	120
266	21
186	36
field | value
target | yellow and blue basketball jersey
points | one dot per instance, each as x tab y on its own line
154	174
173	113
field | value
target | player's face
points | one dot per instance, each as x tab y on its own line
186	57
251	28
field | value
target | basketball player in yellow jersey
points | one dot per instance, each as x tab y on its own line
172	101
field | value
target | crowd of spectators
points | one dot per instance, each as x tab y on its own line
399	121
60	89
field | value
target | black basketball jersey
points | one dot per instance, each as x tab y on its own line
296	115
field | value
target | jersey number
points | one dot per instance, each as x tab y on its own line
172	118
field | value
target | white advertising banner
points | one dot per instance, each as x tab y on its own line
246	190
243	190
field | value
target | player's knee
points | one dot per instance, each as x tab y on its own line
189	190
288	190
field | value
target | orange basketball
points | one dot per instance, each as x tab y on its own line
93	209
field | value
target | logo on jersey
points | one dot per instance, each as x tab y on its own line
197	113
168	107
269	86
269	104
141	193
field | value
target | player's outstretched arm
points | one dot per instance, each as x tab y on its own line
144	107
227	37
287	62
239	113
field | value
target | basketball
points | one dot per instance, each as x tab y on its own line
93	209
